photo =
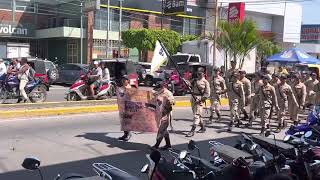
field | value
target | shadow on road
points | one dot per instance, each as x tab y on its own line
130	161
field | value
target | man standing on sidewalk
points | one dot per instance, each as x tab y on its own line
200	88
218	87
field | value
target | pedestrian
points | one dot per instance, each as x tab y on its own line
255	98
285	97
231	71
236	98
3	70
310	83
275	80
120	91
166	100
268	99
300	92
217	87
23	76
247	92
200	88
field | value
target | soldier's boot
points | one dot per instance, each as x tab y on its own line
245	115
262	131
230	126
191	132
249	124
210	119
238	123
168	144
219	116
156	146
279	128
284	124
202	128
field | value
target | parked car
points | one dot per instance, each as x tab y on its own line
50	69
145	76
69	73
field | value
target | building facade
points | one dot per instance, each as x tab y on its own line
310	39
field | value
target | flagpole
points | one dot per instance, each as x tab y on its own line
176	67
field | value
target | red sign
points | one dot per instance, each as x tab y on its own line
236	11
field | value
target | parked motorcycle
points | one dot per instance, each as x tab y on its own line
36	90
79	89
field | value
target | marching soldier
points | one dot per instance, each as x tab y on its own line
285	97
200	88
231	71
236	98
316	90
247	91
255	97
165	97
300	92
268	99
218	87
275	80
310	86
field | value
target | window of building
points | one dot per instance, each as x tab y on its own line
72	52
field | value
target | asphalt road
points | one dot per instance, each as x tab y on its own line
57	93
72	143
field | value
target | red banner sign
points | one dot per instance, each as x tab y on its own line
236	12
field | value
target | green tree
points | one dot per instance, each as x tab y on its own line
238	38
267	48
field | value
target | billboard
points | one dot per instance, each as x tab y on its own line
11	29
236	11
310	33
171	7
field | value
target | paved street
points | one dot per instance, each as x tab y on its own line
73	143
57	93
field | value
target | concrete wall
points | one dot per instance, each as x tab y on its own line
58	48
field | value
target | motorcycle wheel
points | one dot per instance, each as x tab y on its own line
3	96
73	97
39	94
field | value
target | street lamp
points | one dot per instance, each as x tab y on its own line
81	32
120	29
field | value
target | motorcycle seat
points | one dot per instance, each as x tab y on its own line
279	144
119	175
229	153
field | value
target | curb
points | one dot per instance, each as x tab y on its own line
79	110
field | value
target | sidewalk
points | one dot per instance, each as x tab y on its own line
73	107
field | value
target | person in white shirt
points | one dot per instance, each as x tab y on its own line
3	70
105	74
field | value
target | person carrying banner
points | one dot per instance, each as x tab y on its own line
218	87
120	91
165	102
200	88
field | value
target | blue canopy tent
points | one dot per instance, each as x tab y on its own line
293	55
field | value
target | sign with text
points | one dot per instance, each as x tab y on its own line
11	29
236	12
174	7
137	110
310	33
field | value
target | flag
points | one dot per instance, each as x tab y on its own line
159	58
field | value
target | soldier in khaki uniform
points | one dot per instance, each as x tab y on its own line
255	97
285	96
247	92
218	87
300	92
275	80
231	71
268	98
310	83
200	88
316	90
236	97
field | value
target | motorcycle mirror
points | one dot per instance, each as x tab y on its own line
286	138
253	147
191	145
31	163
145	168
308	134
155	156
183	154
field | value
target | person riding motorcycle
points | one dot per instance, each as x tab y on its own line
95	78
23	76
3	70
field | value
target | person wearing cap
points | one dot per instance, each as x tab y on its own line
310	83
268	98
285	97
247	91
230	72
3	70
217	87
255	97
236	98
300	92
95	77
125	84
275	80
167	101
200	88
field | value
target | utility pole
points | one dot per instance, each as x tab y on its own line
81	33
14	6
120	22
108	28
215	33
161	14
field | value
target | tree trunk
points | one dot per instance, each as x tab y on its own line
139	54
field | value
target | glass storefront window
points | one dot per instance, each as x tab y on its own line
72	52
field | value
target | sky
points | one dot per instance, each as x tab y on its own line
311	13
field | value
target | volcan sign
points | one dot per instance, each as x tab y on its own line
174	6
236	12
12	29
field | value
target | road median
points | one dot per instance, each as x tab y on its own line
8	111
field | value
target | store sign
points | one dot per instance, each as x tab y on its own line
174	6
91	5
13	29
310	33
236	12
